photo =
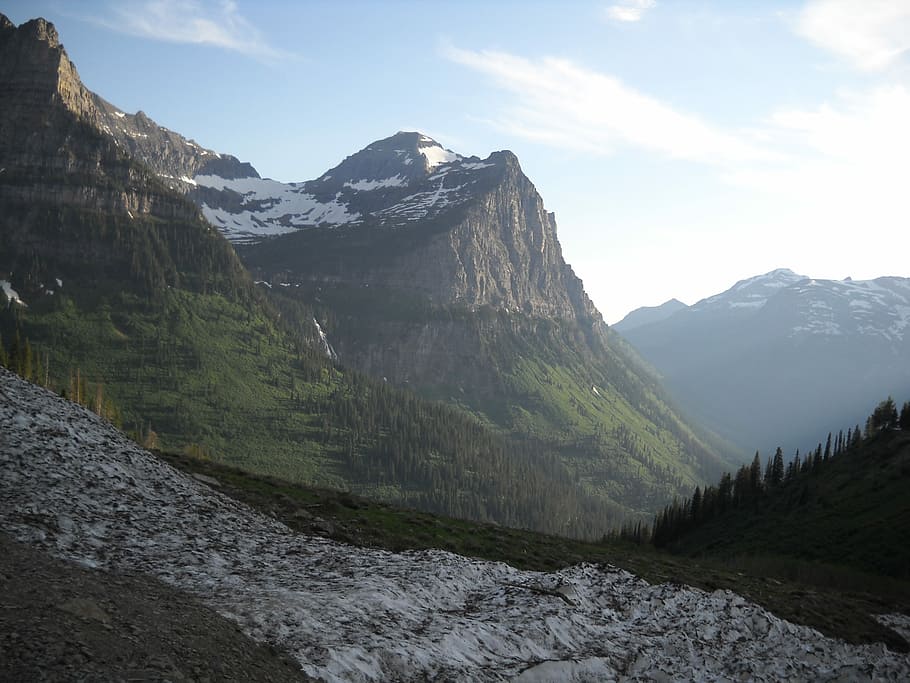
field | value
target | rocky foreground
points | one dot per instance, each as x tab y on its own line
74	486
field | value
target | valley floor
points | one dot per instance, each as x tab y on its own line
75	487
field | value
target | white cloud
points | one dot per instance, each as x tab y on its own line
629	10
871	34
844	186
560	103
199	22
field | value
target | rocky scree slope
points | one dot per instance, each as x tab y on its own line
76	488
61	621
781	358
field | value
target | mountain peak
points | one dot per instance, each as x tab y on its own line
752	292
400	160
35	69
649	314
41	29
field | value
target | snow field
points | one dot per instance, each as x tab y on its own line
77	487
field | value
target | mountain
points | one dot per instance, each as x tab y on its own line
453	231
649	314
443	273
447	277
780	358
117	292
75	488
72	197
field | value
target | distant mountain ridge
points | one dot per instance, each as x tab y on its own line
776	357
649	314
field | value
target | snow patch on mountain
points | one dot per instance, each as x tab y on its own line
368	185
423	204
878	307
434	153
269	207
77	487
380	184
751	293
324	342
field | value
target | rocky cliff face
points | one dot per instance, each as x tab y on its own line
52	146
40	87
74	202
173	158
467	232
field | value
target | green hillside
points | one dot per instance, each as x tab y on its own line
188	355
533	379
850	509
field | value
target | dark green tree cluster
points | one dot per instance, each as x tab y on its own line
885	416
752	485
445	461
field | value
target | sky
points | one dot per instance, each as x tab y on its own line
683	145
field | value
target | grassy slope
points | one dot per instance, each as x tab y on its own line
200	370
837	604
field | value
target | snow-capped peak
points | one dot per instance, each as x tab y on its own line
878	307
434	153
398	180
775	279
752	292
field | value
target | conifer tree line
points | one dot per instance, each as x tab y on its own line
754	483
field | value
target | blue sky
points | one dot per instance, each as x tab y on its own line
682	145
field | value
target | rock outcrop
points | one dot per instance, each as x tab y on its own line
52	146
73	200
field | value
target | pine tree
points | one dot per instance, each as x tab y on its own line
904	420
27	370
777	467
884	416
696	505
755	476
